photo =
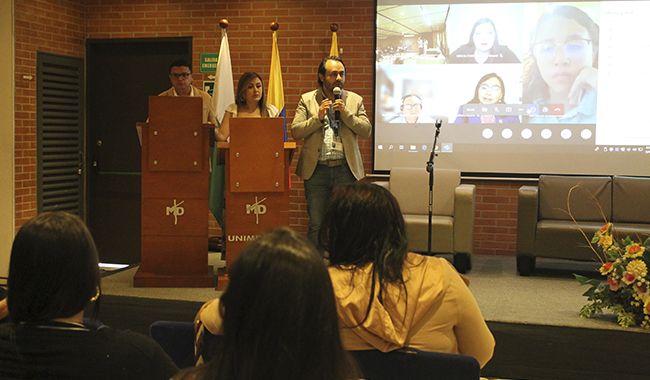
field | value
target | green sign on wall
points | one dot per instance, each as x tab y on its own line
209	62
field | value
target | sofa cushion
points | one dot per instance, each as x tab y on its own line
631	200
591	200
566	240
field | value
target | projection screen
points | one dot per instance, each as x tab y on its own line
520	87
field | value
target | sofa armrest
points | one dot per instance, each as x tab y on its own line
464	209
527	220
384	184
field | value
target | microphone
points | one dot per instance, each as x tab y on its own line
337	95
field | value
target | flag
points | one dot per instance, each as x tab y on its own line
276	90
222	96
334	51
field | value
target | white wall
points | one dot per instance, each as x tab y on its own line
7	128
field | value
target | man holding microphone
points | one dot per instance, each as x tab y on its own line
330	125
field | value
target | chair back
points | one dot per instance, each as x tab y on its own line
411	188
176	339
412	364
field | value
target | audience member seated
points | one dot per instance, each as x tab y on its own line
277	316
53	277
390	298
4	311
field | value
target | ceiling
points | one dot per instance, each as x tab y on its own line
397	20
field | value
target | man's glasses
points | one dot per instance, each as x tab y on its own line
183	75
416	106
572	49
493	88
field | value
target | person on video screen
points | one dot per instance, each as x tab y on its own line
411	111
563	67
490	90
483	46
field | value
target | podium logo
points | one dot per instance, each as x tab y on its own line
176	210
257	208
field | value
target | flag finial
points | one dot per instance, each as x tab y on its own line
223	23
275	26
334	27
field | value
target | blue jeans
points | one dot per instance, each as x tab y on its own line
318	189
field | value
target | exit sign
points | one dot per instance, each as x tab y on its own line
209	62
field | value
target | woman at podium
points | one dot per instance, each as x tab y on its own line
250	102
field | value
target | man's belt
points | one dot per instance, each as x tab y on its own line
332	162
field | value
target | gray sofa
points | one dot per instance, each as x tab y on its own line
545	227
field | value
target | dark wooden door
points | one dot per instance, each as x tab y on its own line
121	75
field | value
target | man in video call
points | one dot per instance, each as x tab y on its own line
180	74
411	108
330	125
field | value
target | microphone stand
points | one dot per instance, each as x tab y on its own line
430	170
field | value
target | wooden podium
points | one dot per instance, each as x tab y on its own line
257	182
175	181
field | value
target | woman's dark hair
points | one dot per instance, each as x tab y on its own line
322	70
244	81
480	22
364	225
483	79
279	316
535	88
53	270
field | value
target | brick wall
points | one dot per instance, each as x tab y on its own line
50	26
304	38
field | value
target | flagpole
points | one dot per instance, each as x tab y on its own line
334	50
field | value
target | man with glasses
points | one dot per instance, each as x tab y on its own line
180	74
330	125
411	108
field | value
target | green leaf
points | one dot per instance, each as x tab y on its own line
585	280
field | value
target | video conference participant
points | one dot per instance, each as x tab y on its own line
250	102
564	65
388	297
330	155
180	74
411	108
53	277
483	46
490	89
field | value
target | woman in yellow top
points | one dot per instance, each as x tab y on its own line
250	102
387	297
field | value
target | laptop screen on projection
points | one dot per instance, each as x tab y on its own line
520	87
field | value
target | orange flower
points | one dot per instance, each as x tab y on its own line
628	278
634	250
613	284
606	268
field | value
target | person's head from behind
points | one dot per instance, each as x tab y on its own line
180	74
279	314
250	89
484	35
53	270
331	73
411	107
489	90
563	43
363	224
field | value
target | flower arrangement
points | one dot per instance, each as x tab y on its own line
627	289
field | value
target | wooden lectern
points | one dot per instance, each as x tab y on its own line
257	182
175	180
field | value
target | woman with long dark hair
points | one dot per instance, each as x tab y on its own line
490	90
53	277
277	316
388	297
563	65
249	102
483	46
